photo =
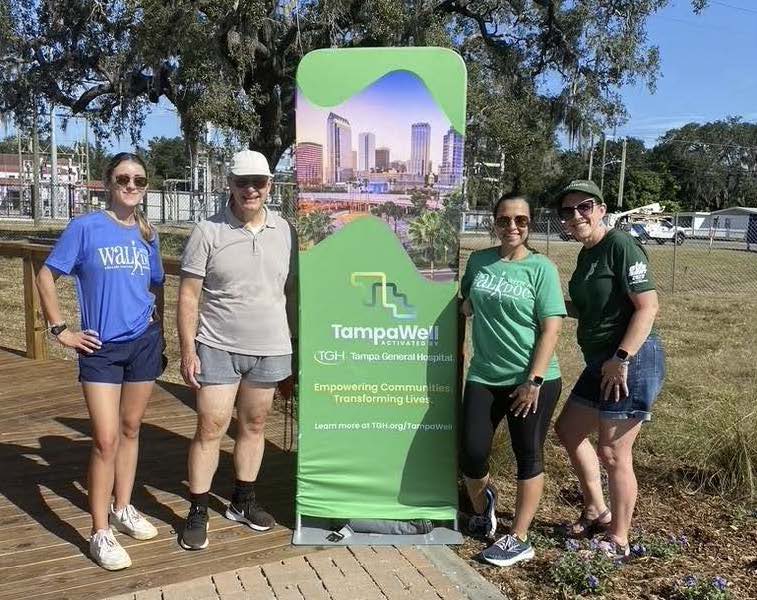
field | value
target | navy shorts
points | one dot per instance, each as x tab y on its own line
646	372
140	359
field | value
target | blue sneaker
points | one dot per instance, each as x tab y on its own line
485	524
507	551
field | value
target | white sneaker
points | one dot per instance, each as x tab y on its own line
129	521
107	552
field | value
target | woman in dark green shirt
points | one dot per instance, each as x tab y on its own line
614	299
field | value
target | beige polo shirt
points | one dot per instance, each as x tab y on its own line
247	278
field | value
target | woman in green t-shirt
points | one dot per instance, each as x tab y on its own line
614	299
515	298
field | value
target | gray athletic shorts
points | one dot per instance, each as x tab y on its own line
218	367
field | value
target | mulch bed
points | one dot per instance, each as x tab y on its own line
720	539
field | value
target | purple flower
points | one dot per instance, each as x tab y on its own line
683	540
639	549
592	582
594	544
690	581
719	583
572	545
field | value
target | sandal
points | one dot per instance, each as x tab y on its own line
588	528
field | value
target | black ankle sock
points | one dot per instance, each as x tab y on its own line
243	490
199	499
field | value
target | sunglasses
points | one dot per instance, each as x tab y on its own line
256	181
505	222
140	181
585	208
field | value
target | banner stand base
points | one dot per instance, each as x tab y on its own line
312	531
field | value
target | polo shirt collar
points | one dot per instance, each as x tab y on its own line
235	223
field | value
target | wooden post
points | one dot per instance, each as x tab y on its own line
36	344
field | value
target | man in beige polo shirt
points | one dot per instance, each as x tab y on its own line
236	292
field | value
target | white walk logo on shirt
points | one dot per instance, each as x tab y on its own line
500	286
125	257
637	273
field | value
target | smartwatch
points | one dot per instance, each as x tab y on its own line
622	355
56	330
536	381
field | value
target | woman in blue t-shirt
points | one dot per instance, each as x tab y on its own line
115	259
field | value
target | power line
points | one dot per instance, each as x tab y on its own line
748	10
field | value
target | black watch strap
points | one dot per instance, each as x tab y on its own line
56	330
536	381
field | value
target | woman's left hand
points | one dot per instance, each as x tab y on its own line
614	379
526	399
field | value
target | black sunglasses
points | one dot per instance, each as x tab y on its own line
505	222
140	181
585	208
256	181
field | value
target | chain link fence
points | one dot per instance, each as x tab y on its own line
174	210
66	201
707	254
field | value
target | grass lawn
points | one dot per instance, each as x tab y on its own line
696	461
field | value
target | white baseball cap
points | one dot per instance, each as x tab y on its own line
249	162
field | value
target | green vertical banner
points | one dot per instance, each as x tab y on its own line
379	167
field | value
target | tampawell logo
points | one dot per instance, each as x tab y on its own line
401	335
384	293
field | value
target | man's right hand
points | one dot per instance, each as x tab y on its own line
190	367
79	341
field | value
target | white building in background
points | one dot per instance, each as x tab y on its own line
366	152
339	165
420	149
451	169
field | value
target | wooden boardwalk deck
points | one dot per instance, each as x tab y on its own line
44	446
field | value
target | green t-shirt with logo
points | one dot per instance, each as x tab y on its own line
605	275
510	299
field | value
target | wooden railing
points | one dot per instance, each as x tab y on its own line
33	256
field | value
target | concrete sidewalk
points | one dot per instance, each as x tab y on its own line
355	573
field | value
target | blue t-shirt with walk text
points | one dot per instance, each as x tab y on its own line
114	268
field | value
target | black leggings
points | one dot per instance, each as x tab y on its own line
484	407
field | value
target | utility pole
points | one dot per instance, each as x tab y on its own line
54	208
604	153
20	155
86	161
591	156
37	205
622	175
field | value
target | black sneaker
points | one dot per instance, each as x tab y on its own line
195	534
250	513
485	524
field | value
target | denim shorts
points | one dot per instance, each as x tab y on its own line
646	372
125	362
219	367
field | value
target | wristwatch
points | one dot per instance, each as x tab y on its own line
536	381
56	330
622	355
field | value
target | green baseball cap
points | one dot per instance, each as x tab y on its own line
581	185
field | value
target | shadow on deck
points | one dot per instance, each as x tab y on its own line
44	449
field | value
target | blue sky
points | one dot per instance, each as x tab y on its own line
709	68
709	71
